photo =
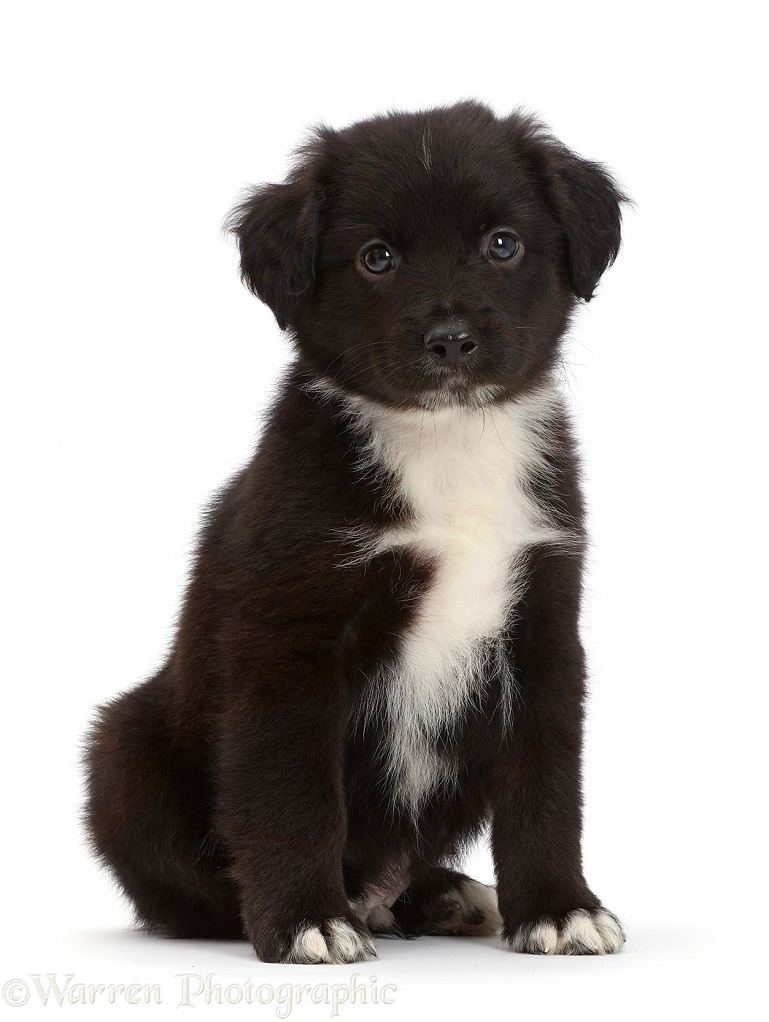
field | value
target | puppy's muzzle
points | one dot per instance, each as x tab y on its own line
452	343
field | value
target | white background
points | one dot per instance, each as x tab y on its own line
135	366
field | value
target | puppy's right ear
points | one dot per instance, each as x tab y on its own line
277	227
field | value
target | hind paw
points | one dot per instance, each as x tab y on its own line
470	910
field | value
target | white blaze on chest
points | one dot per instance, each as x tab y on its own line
464	475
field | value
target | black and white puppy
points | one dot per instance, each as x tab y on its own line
378	652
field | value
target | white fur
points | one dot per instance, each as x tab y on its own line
470	897
542	940
464	473
609	930
595	932
309	945
343	944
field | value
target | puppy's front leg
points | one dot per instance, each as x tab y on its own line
281	807
546	905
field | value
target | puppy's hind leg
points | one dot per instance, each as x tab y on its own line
146	818
442	902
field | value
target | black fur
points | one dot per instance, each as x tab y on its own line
231	795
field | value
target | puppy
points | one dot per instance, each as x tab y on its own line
378	651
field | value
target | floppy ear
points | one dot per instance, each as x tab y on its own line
585	200
276	227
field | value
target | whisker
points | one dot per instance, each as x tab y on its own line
494	424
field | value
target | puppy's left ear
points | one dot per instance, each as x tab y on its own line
585	200
277	227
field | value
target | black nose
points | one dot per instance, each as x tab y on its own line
451	343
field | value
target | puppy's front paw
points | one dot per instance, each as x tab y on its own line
581	932
335	941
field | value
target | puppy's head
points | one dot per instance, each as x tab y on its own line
430	258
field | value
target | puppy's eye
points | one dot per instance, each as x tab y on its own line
503	245
378	259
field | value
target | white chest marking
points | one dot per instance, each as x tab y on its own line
464	474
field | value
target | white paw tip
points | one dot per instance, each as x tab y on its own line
610	930
580	931
584	931
540	939
347	945
309	945
341	945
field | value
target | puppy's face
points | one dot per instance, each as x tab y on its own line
430	259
